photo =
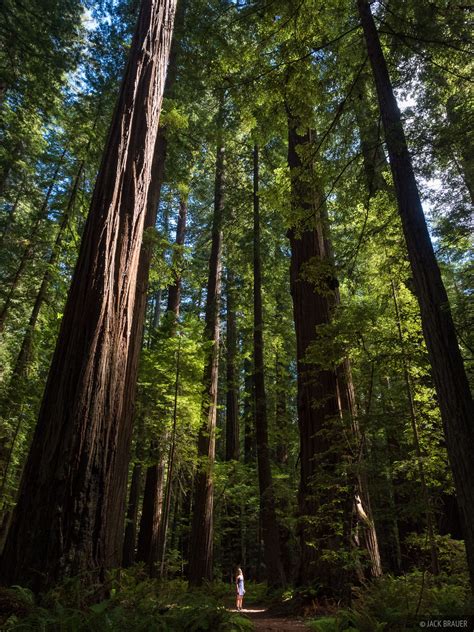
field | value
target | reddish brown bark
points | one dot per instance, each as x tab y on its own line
72	493
201	540
270	532
452	387
154	479
325	396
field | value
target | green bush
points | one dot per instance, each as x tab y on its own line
393	603
135	604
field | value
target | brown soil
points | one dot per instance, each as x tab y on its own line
264	622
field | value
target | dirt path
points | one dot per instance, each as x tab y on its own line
265	623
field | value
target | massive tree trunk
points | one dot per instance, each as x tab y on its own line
72	491
324	394
138	317
201	540
270	531
232	405
452	387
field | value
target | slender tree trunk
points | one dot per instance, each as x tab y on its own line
128	556
152	510
270	532
416	439
281	413
452	387
232	404
72	491
464	149
29	248
163	526
10	219
152	513
248	413
174	300
23	360
201	539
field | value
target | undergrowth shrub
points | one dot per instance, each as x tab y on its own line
135	603
395	603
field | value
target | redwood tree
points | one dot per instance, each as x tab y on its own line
71	492
449	375
270	531
202	529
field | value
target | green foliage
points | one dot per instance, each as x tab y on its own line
394	603
134	604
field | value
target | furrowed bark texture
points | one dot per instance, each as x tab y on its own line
72	493
452	387
270	531
325	396
201	540
153	496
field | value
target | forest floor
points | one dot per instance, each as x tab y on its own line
264	622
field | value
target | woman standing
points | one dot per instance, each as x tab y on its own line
239	584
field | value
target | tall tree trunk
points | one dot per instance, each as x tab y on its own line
249	413
201	540
10	219
138	317
72	493
174	300
128	555
152	513
270	532
323	448
452	387
232	404
416	439
23	359
29	248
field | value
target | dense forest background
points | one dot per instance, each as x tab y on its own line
227	336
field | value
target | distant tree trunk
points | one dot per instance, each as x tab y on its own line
375	163
152	513
232	404
270	532
72	493
24	355
10	219
465	148
174	299
416	439
128	555
29	248
248	413
452	387
281	413
201	539
23	359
